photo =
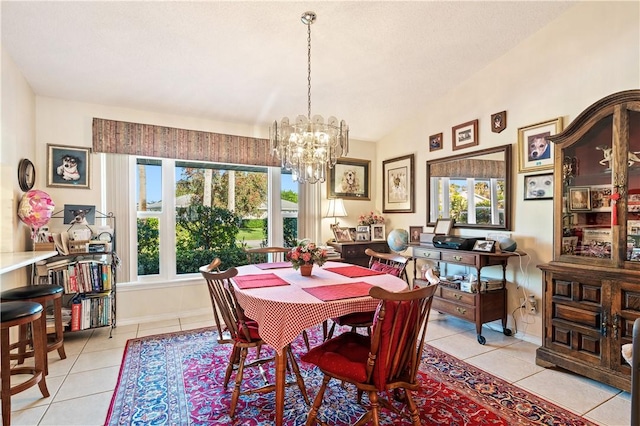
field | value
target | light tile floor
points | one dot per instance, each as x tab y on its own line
81	386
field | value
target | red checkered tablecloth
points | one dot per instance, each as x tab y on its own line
283	312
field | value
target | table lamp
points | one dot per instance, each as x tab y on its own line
336	209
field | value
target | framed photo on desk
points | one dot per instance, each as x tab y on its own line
484	245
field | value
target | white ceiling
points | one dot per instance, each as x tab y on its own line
374	64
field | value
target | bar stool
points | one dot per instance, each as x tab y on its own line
18	314
42	294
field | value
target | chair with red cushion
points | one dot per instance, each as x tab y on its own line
385	361
389	263
243	333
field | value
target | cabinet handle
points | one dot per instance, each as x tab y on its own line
461	310
458	296
614	325
603	326
458	258
428	255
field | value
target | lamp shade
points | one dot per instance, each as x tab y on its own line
336	208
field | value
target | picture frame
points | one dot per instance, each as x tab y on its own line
377	232
362	233
538	187
580	198
443	226
486	246
414	234
353	233
75	214
465	135
535	151
398	185
498	121
362	236
68	167
601	198
633	201
435	142
349	179
569	245
342	234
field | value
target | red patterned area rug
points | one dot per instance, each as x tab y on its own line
176	379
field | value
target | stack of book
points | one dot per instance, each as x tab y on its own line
332	254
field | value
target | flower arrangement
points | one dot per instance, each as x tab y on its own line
307	253
370	218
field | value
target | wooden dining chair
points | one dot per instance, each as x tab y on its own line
390	263
386	361
243	333
263	254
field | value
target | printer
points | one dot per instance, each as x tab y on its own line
454	242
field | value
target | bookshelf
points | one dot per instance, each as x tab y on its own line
85	266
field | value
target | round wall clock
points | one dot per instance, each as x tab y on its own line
26	174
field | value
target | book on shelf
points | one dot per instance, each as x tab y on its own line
61	242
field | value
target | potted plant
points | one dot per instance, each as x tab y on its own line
306	254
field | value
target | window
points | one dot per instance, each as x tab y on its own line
190	212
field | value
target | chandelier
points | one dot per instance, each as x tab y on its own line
309	146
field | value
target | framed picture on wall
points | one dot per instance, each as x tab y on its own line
397	185
435	142
349	179
535	152
538	187
68	167
465	135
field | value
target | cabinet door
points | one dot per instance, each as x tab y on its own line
574	315
625	308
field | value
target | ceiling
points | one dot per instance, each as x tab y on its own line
374	63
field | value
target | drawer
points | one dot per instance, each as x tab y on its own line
461	258
426	253
353	251
458	296
448	307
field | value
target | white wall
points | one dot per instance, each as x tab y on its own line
589	52
18	141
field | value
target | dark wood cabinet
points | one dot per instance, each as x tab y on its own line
592	285
353	252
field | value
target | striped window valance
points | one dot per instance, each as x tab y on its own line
121	137
469	168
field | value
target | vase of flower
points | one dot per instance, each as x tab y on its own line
305	270
306	254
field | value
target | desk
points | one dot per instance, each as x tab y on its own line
283	312
481	307
12	261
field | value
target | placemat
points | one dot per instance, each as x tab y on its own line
245	282
354	271
273	265
339	291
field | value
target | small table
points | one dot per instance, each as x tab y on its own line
282	313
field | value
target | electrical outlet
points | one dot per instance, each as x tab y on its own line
533	305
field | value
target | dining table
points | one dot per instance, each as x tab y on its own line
284	303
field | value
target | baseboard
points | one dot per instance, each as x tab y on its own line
163	317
